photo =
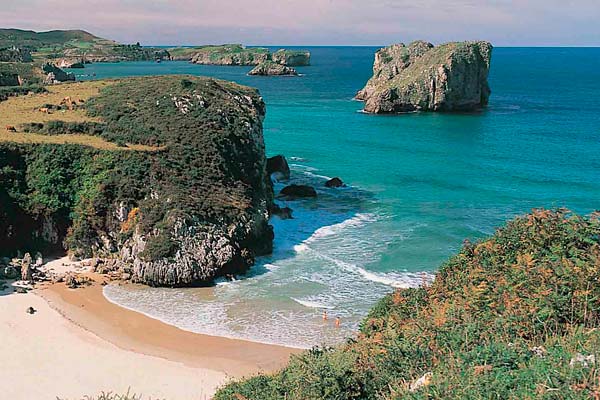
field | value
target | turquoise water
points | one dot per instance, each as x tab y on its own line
419	184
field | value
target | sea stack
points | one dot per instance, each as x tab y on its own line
270	68
423	77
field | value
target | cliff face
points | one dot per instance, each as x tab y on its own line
231	54
169	183
421	77
292	58
270	68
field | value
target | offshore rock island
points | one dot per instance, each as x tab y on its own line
271	68
163	178
424	77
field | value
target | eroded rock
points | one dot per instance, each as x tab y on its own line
422	77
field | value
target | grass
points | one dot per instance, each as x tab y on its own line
210	172
21	110
505	318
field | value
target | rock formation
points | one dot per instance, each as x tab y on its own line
298	191
55	74
422	77
292	58
278	168
231	54
334	183
191	205
271	68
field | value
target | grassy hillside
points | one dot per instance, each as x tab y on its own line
36	40
76	44
195	154
515	316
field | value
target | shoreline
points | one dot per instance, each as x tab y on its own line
77	344
88	308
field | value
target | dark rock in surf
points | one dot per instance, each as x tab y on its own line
278	168
334	183
298	191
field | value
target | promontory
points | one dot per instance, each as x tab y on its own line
162	178
424	77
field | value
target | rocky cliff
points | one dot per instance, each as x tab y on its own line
423	77
270	68
230	54
292	58
163	177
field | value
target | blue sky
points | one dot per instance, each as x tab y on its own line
316	22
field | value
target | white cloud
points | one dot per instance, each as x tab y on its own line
504	22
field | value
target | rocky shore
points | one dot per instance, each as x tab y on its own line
423	77
194	209
270	68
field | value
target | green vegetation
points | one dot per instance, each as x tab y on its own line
207	169
36	40
76	44
515	316
230	54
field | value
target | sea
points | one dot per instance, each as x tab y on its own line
418	185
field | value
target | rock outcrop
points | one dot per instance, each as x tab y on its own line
334	183
271	68
422	77
231	54
292	58
278	167
192	205
298	191
56	75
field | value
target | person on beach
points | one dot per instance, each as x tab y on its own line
337	322
325	315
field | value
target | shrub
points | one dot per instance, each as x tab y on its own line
503	319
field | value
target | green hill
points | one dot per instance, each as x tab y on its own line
36	40
515	316
76	45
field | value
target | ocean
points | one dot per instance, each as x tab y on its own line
418	185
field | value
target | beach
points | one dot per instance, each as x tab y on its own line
78	344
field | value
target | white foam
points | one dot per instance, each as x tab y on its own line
392	279
312	304
308	173
300	248
354	222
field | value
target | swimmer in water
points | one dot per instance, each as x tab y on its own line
337	322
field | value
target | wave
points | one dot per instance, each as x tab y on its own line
312	304
312	175
357	220
399	280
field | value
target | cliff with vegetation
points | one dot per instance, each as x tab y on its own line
514	316
76	46
292	58
271	68
237	54
423	77
230	54
164	177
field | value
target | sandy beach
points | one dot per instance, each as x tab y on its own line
78	344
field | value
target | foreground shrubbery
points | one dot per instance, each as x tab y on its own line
507	318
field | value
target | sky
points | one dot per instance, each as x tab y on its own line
315	22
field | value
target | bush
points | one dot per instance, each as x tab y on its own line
502	320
